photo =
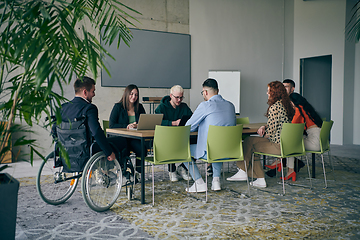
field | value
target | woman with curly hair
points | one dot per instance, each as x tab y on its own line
279	111
304	113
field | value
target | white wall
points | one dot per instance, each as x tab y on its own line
356	127
319	30
239	35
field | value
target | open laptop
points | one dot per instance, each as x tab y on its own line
184	119
149	121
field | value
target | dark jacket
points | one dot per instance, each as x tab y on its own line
170	113
119	117
79	107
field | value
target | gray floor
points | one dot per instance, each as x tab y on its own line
74	220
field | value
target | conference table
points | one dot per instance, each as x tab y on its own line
146	135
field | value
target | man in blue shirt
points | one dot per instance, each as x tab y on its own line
213	111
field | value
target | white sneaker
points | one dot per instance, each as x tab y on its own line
173	176
199	187
239	176
260	182
183	173
216	184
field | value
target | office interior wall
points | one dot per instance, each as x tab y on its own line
349	74
288	39
319	30
158	15
241	35
356	128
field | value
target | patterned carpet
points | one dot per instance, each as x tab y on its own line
303	213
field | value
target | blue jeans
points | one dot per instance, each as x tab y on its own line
195	174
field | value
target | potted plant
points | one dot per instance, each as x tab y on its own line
45	42
353	26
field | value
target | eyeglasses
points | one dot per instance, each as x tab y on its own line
202	92
178	97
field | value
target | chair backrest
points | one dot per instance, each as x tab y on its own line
325	135
291	139
171	144
105	125
224	142
244	120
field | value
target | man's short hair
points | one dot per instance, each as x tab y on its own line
292	83
84	82
176	88
211	83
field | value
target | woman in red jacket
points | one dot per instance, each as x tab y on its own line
304	113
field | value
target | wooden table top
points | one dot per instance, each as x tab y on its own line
248	129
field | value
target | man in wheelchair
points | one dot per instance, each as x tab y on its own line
101	165
81	117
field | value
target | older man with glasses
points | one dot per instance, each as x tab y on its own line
174	109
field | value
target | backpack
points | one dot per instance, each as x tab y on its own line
73	136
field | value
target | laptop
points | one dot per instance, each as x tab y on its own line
149	121
184	119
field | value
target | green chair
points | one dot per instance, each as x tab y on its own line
291	145
224	144
324	144
244	120
105	126
171	145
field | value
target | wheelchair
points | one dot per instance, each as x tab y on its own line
101	180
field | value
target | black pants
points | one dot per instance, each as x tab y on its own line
135	146
172	167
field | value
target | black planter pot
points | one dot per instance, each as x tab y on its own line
9	188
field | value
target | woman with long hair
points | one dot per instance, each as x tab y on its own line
125	114
304	113
279	111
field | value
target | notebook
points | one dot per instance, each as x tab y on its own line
149	121
184	119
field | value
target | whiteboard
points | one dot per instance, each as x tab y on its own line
229	86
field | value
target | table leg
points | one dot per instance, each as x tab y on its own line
142	171
313	165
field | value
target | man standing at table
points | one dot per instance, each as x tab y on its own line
213	111
174	109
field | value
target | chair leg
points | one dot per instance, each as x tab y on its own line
308	168
252	167
188	181
282	175
193	162
206	193
322	160
247	180
222	167
153	185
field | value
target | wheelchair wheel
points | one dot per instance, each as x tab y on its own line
101	183
54	186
